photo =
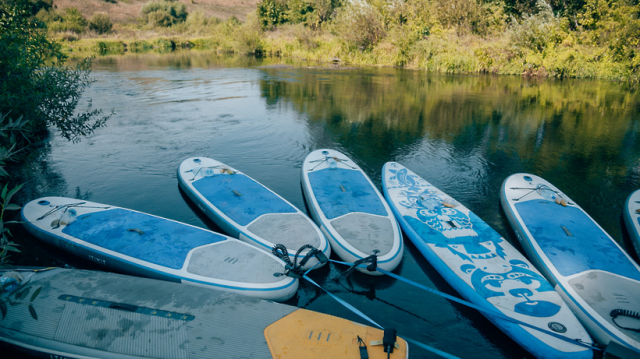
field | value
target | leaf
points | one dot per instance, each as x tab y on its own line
35	294
3	309
4	192
12	207
12	249
12	192
32	311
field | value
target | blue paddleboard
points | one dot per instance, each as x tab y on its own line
594	275
483	267
145	245
350	210
249	211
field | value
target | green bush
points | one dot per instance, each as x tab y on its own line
538	32
359	23
34	84
74	21
272	12
101	23
163	13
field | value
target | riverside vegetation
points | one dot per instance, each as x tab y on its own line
561	39
37	92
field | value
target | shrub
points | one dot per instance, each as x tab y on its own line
359	23
74	21
163	13
100	23
539	31
272	12
35	85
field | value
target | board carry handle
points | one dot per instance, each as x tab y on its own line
123	306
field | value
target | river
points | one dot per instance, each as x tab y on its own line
464	134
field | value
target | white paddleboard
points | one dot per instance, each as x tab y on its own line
248	210
68	313
594	275
483	267
350	210
631	217
150	246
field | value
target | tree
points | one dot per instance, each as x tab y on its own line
35	85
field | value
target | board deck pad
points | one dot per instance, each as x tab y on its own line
340	191
572	240
240	197
140	235
304	331
479	263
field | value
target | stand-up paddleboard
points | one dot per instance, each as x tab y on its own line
594	275
69	313
350	211
483	267
149	246
631	217
247	210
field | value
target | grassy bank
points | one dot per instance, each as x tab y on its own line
599	40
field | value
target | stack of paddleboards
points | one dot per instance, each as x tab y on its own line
631	217
594	275
483	267
68	313
247	210
142	244
350	211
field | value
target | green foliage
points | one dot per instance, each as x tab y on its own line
272	12
32	89
72	20
163	13
613	23
359	23
540	31
101	23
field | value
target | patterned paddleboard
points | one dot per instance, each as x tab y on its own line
483	267
631	217
350	211
142	244
69	313
595	276
247	210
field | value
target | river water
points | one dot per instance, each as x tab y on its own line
464	134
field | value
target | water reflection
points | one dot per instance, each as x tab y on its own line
464	134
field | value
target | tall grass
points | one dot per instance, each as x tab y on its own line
600	40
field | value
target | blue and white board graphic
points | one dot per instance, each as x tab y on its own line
350	211
594	275
248	210
150	246
483	267
631	217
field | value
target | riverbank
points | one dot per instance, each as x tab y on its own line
595	42
442	53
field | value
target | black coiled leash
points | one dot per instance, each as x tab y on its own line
625	313
293	269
